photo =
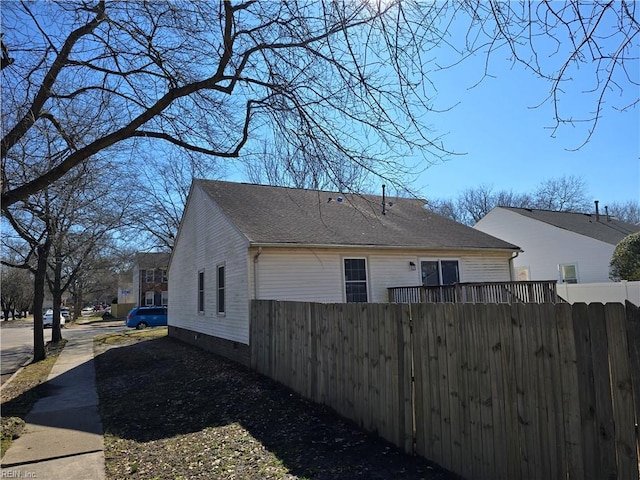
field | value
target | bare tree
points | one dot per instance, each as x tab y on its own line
329	81
17	291
32	255
474	203
208	77
564	194
59	227
97	280
282	166
628	211
81	223
159	194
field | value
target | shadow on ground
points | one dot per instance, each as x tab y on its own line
172	410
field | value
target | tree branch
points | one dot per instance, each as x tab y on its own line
23	125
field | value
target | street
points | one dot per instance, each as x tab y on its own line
16	341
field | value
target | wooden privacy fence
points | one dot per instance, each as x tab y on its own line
488	391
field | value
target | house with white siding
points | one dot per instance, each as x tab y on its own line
239	242
568	247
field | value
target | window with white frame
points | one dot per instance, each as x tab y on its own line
221	290
148	298
148	278
201	291
568	273
355	280
439	272
165	298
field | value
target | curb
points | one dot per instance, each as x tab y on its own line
13	375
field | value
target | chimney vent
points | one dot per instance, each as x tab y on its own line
597	211
606	211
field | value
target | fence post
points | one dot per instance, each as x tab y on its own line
625	439
633	337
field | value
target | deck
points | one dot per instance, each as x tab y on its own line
486	292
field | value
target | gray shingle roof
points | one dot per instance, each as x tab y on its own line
606	230
152	260
279	215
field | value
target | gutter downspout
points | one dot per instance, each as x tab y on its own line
255	273
511	272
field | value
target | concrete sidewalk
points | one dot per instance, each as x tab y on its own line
63	438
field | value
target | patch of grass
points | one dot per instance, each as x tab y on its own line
19	395
128	337
171	410
97	318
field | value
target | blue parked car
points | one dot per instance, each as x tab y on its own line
143	317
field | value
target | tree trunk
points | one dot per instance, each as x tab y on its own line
56	332
39	352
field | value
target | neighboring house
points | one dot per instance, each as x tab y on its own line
569	247
150	284
239	242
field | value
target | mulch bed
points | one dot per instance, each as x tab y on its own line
172	411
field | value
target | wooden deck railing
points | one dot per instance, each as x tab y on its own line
486	292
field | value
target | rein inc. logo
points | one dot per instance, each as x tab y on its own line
17	474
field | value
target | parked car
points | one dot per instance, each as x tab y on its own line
64	311
143	317
47	320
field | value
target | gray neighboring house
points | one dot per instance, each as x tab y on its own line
150	283
239	242
569	247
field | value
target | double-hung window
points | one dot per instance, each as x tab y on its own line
201	291
221	289
149	298
355	279
439	272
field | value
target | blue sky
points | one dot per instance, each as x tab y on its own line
508	143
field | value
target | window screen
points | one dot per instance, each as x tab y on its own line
355	277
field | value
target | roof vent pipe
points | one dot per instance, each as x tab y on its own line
384	201
606	211
597	211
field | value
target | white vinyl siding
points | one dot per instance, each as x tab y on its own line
299	275
207	239
545	247
316	275
485	267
